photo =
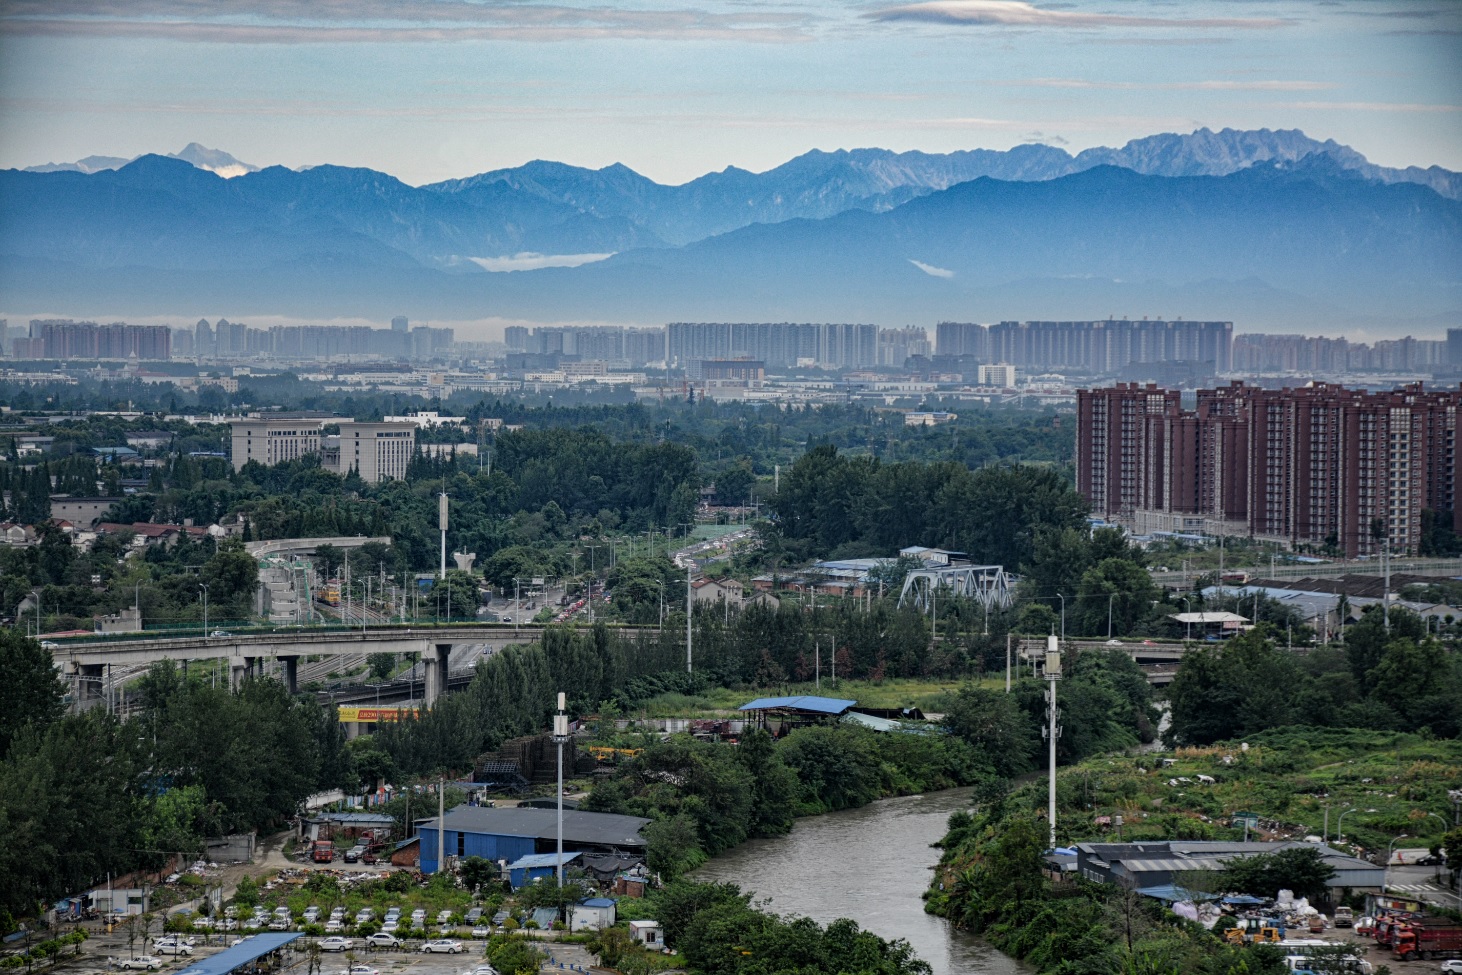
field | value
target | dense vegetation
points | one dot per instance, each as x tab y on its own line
87	794
1391	680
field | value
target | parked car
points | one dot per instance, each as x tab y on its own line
384	939
334	927
1452	965
442	945
146	963
443	917
280	924
359	970
474	915
220	633
391	926
172	948
481	932
1431	860
336	944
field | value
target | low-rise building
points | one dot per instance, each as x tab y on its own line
1158	862
594	914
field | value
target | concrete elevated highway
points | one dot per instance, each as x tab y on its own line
85	661
1400	565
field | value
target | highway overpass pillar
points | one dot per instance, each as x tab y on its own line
89	678
436	665
237	670
291	673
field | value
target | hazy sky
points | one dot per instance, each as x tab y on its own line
433	89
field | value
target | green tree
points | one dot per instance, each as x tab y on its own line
1237	688
1300	869
456	594
30	693
477	873
381	665
994	724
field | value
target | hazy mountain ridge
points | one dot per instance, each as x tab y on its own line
213	160
1306	242
820	184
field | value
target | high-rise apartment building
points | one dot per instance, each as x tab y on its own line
65	339
1318	465
1102	348
781	345
400	324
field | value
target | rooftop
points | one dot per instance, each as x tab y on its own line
600	829
814	705
231	959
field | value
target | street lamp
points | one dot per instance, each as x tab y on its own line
1110	598
1062	597
1386	872
204	587
1188	606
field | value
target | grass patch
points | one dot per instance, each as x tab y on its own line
928	695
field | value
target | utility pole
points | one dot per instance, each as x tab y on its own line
1052	731
689	597
1008	638
201	585
441	823
560	736
442	524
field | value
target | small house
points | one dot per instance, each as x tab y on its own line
594	914
536	866
407	853
648	933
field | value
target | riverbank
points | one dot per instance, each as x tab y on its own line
872	865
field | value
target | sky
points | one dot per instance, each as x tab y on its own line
435	89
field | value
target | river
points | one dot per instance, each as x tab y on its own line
871	865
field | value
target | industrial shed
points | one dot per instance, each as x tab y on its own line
795	711
514	833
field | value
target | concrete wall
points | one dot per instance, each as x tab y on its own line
231	849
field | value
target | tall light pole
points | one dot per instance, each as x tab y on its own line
1386	872
442	524
1052	731
1110	598
689	596
204	587
1062	597
560	736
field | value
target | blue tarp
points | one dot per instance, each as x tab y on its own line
1172	892
253	947
818	705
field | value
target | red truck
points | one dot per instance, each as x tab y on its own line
1427	937
323	852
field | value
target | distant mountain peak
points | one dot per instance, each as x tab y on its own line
213	160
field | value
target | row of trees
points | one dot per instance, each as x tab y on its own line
88	794
1388	679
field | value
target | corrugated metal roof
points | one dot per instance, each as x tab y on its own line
601	829
817	705
535	860
230	959
1153	866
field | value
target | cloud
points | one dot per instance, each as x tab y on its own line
1016	13
931	270
1264	85
392	21
1421	107
529	261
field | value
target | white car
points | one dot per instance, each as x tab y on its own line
443	917
484	970
280	924
481	932
1452	965
442	945
359	970
336	944
146	963
384	939
391	926
172	948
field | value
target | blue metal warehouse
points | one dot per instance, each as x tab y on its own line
513	833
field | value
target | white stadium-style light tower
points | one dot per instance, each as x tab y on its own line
1053	730
442	524
560	736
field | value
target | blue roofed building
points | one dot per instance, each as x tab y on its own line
537	866
509	834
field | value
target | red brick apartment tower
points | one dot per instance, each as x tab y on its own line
1121	446
1312	465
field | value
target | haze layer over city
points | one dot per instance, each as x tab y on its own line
748	488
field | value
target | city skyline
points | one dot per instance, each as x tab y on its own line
453	88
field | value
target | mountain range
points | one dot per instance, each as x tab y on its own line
1269	227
